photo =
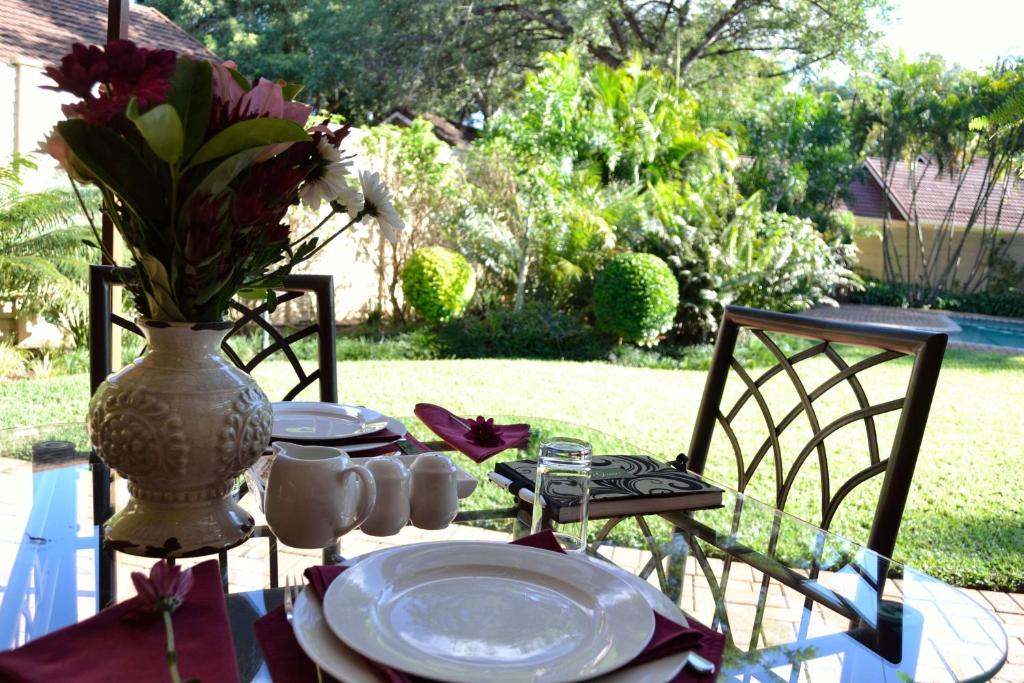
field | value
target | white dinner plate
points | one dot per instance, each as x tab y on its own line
321	645
300	421
345	664
469	611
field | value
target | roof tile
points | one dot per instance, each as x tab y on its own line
45	29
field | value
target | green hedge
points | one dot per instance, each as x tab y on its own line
635	297
537	331
879	293
438	283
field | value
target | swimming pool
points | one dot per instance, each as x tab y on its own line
1004	333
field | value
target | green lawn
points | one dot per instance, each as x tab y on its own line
964	522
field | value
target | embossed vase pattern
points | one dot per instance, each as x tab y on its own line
180	424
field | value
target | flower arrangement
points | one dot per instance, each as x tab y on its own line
197	168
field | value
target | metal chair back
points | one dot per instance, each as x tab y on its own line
888	343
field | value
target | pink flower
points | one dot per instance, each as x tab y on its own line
57	147
483	432
164	589
264	99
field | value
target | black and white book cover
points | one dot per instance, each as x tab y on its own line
620	484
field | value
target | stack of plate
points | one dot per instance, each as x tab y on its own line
332	424
472	611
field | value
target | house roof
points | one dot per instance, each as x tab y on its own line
448	131
45	29
935	193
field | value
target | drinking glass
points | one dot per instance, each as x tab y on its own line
563	469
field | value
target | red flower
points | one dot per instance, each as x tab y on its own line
106	80
164	589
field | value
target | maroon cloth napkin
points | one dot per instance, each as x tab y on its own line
123	642
288	664
454	431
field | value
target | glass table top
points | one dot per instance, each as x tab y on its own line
796	603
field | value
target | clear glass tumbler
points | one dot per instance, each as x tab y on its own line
563	471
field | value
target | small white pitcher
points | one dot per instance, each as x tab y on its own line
314	495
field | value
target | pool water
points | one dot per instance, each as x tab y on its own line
994	333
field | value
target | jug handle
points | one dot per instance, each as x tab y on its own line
256	485
369	495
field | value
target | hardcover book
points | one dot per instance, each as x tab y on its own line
619	485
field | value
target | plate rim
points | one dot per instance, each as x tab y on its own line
611	661
308	601
391	423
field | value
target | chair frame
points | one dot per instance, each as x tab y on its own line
926	348
103	279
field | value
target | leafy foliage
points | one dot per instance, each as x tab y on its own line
537	331
916	116
635	298
438	282
427	182
882	293
12	361
44	263
364	58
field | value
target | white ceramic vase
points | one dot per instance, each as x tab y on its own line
180	424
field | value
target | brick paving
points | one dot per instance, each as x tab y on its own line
784	614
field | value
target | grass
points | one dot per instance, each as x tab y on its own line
965	519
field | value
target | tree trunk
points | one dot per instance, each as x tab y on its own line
524	266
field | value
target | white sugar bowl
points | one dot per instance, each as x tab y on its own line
435	497
391	510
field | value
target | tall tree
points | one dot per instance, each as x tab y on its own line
264	37
916	116
362	58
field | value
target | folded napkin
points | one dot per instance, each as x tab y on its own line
288	664
122	641
480	443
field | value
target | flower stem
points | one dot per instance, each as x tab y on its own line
172	655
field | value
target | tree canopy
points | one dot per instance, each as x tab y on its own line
363	58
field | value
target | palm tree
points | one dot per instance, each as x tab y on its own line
43	259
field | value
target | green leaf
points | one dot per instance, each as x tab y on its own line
191	94
290	91
161	301
247	134
113	163
240	80
161	128
224	172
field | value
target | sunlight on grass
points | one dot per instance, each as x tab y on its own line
963	520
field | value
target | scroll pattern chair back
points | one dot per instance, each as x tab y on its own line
102	282
886	344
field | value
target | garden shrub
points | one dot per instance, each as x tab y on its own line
537	331
635	297
12	362
1008	304
438	283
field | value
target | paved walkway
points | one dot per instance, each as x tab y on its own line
248	571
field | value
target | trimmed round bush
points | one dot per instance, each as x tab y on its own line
635	298
438	283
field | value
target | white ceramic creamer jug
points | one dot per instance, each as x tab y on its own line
314	495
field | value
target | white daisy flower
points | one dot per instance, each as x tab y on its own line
329	181
350	200
379	205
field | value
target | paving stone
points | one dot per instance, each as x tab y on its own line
1003	602
1016	651
1010	673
